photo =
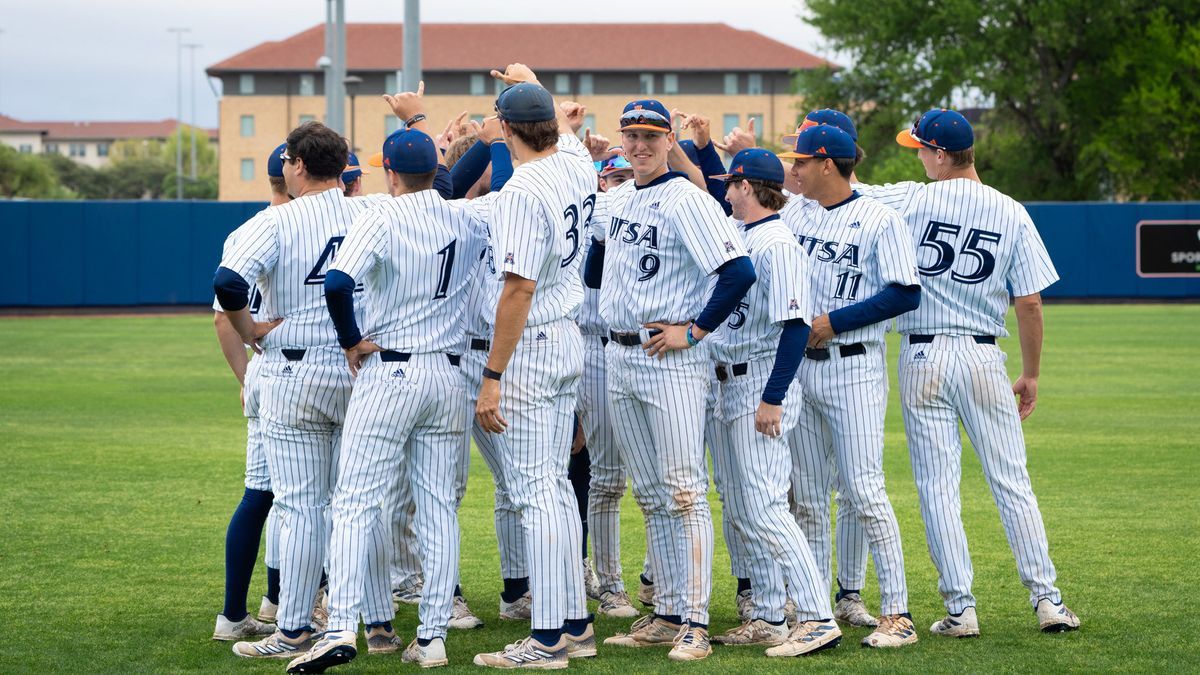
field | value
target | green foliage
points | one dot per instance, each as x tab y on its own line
1098	96
26	176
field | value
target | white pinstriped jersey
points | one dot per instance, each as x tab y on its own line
663	241
972	243
539	219
255	296
857	248
480	310
780	293
417	256
287	249
589	320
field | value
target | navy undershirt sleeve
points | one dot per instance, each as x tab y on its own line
593	266
787	360
893	300
502	168
443	183
231	289
339	299
734	278
711	165
469	168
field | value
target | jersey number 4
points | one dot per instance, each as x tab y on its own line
972	246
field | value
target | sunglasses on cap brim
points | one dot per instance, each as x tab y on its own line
910	139
644	119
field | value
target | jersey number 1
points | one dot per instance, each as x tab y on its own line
446	265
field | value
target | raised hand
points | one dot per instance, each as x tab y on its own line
598	146
405	104
516	73
574	112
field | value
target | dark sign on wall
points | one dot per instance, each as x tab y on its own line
1168	248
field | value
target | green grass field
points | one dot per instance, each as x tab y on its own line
123	455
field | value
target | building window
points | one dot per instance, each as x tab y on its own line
247	169
478	84
671	83
562	83
102	149
78	150
307	118
390	124
50	148
646	84
247	126
754	84
731	121
26	148
757	118
587	84
477	118
731	84
589	122
308	84
246	83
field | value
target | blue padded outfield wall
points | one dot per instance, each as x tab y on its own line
75	253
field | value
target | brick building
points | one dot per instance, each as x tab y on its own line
85	142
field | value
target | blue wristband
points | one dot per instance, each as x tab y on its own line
692	341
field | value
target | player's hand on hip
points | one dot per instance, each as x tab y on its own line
360	351
1026	389
261	328
671	338
516	73
487	408
822	332
768	419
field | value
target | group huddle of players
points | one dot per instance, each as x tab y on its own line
578	309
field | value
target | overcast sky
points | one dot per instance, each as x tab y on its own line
115	60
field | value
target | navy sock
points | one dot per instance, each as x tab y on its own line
324	579
776	623
697	624
645	580
906	615
843	592
293	634
548	637
424	642
673	618
386	625
514	588
743	584
579	472
457	591
273	585
577	626
241	549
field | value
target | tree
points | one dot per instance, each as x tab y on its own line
27	176
1061	78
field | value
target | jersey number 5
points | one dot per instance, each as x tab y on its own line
945	251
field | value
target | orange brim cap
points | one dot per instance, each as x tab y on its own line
906	139
355	167
375	159
792	154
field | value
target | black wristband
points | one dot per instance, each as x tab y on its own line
491	374
419	117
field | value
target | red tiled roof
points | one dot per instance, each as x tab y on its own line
96	130
548	46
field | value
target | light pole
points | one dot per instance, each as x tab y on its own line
179	109
351	83
192	85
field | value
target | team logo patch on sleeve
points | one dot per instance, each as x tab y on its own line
728	246
793	304
508	258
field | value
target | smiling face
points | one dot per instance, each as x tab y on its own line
647	150
738	193
811	175
615	178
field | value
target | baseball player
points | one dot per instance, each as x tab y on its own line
972	244
415	257
538	221
757	354
666	237
246	525
351	176
862	274
304	385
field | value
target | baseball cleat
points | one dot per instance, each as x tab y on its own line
894	630
646	594
429	656
754	632
382	640
745	605
648	631
581	646
809	637
852	610
409	595
267	611
591	583
333	649
961	625
320	611
617	605
520	609
237	630
690	645
276	646
1054	618
461	616
789	612
527	653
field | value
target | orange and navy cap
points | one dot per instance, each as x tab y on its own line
353	170
822	141
755	163
940	129
828	116
646	114
614	164
407	151
275	161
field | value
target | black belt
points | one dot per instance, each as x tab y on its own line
926	339
738	369
629	339
293	354
403	357
481	345
603	341
822	354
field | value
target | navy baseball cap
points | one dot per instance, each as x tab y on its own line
834	118
755	163
614	164
646	114
407	151
823	142
275	161
940	129
689	148
525	102
353	170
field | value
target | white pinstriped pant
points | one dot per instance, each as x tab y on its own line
537	398
401	414
658	418
301	410
608	473
952	379
845	399
723	478
258	476
756	498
